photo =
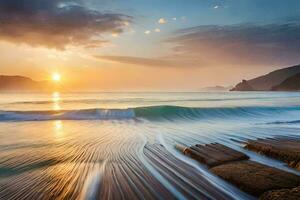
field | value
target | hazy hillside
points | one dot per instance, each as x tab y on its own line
266	82
290	84
20	83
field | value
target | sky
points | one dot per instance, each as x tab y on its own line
137	45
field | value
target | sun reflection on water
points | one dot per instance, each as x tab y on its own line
58	125
56	100
58	129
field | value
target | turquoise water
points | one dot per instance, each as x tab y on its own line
66	145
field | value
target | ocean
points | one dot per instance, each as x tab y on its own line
121	145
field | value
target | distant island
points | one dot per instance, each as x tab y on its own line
216	88
286	79
21	83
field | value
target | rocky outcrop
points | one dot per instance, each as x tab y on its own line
213	154
268	81
284	194
234	167
255	178
243	86
284	149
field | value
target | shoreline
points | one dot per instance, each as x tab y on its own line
252	177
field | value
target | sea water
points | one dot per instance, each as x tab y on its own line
65	145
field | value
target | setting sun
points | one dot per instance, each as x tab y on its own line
56	77
149	99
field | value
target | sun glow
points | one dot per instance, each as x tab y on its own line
56	77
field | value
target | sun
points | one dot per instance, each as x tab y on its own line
56	77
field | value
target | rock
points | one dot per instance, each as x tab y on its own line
284	194
255	178
213	154
234	167
284	149
243	86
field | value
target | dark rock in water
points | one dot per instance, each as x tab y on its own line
284	149
213	154
234	167
243	86
284	194
255	178
290	84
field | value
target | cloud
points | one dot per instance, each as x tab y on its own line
240	44
57	23
162	21
147	32
115	35
157	30
149	62
183	18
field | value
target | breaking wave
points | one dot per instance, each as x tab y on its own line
150	113
84	114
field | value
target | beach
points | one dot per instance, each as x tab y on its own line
122	145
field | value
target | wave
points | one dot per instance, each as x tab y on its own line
285	122
150	113
130	100
173	112
85	114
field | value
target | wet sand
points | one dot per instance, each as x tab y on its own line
184	178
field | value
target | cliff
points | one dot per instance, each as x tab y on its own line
243	86
290	84
268	81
